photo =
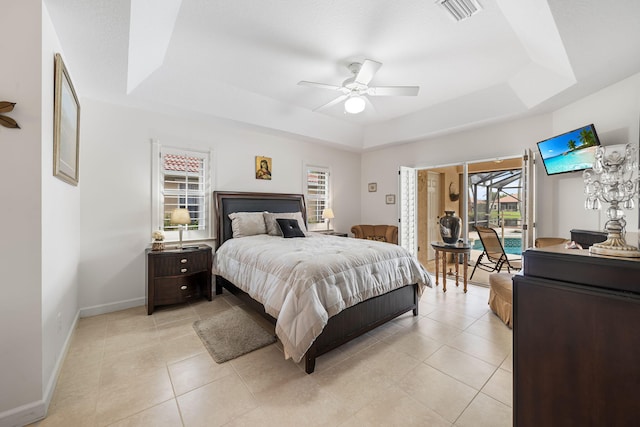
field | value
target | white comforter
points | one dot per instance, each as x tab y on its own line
304	281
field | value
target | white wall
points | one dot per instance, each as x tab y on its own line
39	254
20	251
60	229
381	166
615	111
116	187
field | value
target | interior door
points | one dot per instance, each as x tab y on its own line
434	209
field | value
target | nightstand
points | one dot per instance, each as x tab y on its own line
333	233
178	275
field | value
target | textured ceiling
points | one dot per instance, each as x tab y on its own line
242	59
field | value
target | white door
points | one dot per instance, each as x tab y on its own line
433	210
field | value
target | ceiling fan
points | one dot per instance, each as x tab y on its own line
354	89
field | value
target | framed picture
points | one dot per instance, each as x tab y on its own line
390	199
263	167
373	187
66	125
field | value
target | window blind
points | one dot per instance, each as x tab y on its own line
317	194
184	183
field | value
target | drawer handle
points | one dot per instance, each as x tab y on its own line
183	260
183	270
183	287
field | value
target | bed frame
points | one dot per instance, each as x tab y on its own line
344	326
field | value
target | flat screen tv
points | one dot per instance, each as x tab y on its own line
569	152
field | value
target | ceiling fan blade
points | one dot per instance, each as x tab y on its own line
393	91
368	69
319	85
370	108
332	103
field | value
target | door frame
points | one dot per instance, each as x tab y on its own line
528	179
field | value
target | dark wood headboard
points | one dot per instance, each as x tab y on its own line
227	202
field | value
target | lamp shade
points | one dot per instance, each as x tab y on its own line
327	213
354	105
180	216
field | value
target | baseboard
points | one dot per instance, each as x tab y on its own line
23	415
53	380
35	411
111	307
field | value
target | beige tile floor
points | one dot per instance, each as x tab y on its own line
449	366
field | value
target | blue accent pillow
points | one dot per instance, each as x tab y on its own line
290	228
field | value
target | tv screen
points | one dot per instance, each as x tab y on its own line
569	152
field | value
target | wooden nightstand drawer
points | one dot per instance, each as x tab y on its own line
181	263
175	290
176	276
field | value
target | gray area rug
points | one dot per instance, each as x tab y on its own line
231	333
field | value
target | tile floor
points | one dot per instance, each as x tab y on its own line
449	366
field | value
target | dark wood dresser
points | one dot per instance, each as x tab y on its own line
576	339
178	275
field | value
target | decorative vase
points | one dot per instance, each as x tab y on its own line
450	227
157	246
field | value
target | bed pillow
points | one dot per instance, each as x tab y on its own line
245	224
289	228
272	226
377	238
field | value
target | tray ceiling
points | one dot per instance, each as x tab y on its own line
241	60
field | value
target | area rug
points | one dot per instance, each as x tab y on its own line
231	333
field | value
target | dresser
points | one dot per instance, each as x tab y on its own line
576	339
178	275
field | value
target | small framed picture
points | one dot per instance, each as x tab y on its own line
390	199
263	167
373	187
66	125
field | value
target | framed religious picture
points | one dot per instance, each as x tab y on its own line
390	199
66	125
263	167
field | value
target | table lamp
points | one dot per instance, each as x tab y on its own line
181	218
613	180
327	214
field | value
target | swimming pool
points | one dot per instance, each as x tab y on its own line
512	245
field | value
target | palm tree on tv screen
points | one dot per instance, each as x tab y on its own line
587	138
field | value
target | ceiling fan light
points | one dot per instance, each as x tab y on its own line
354	105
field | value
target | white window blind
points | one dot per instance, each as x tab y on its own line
183	186
182	179
408	236
317	195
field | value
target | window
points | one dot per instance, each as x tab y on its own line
182	180
317	195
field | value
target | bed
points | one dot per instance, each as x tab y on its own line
349	314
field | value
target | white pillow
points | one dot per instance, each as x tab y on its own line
273	229
245	224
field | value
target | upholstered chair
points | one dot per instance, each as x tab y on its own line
542	242
382	233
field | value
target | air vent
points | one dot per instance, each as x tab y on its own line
460	9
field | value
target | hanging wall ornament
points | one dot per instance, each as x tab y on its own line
454	195
8	122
